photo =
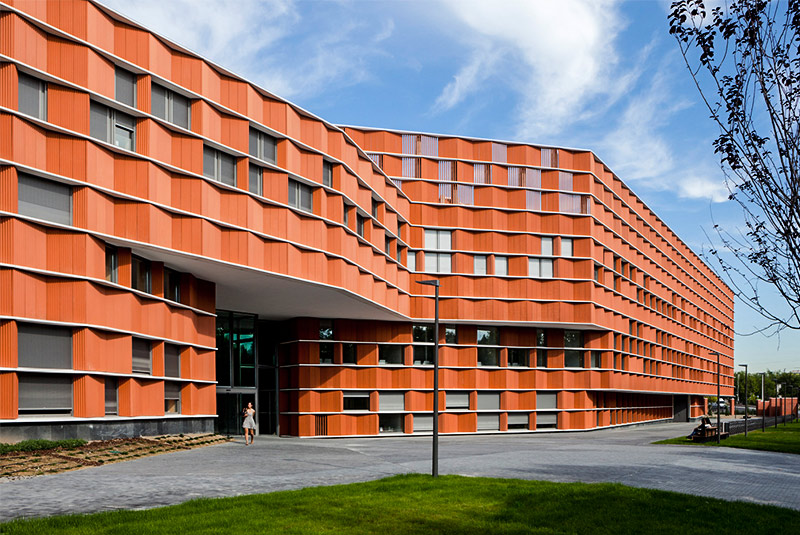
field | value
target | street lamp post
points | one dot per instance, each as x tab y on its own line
719	429
745	399
777	399
435	452
763	406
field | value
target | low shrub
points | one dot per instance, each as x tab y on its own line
41	444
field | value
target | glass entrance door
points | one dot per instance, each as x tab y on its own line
229	412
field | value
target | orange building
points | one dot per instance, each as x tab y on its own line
176	241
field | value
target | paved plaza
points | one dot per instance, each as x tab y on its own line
623	455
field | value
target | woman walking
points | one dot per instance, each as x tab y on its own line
249	424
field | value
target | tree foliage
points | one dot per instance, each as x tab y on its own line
745	61
771	380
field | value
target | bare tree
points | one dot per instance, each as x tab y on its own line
745	61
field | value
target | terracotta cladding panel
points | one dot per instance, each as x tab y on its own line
28	145
131	44
9	395
23	41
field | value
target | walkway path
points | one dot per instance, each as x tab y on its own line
623	455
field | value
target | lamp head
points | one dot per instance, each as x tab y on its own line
429	282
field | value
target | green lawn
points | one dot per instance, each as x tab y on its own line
449	504
784	439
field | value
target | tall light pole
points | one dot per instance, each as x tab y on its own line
745	399
719	430
435	453
763	406
777	399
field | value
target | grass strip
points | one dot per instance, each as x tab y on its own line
783	439
41	444
419	504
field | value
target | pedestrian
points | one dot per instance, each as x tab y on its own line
249	424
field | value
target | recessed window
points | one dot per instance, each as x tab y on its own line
32	97
44	199
540	268
172	397
391	401
141	275
450	334
346	214
457	400
488	356
546	400
263	146
301	196
546	420
488	401
438	239
438	263
423	334
327	173
360	221
254	184
501	266
423	423
326	349
390	423
480	264
566	247
517	420
112	264
349	354
573	338
112	126
388	247
541	358
219	166
44	346
111	395
172	285
356	401
390	354
517	357
573	358
411	167
170	106
172	360
44	394
125	87
142	356
547	246
375	205
411	260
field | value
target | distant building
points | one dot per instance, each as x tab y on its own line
176	241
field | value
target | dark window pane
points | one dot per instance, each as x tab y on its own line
44	346
140	274
111	395
227	169
112	263
172	360
99	121
32	97
209	162
487	356
357	402
44	199
254	183
142	360
181	107
125	87
349	354
517	357
158	102
45	394
573	359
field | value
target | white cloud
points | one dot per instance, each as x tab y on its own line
266	41
559	56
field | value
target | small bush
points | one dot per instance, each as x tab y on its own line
40	444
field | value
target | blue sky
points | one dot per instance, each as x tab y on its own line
597	74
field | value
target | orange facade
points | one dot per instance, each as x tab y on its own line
144	189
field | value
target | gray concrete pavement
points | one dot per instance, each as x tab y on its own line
623	455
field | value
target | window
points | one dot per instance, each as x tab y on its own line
125	87
356	401
450	334
360	219
540	268
111	385
411	167
411	260
142	356
391	401
546	420
172	397
488	356
349	354
423	354
219	166
482	173
596	360
499	152
518	420
140	274
437	263
301	196
438	239
170	106
254	183
564	181
547	246
423	423
546	400
377	159
549	157
44	199
480	264
327	174
488	422
517	357
488	401
390	354
388	245
32	97
423	333
566	247
541	337
533	200
326	349
541	358
457	400
172	285
44	346
501	266
573	338
420	145
45	394
597	273
573	204
263	146
390	423
375	205
112	264
346	214
573	358
112	126
172	360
